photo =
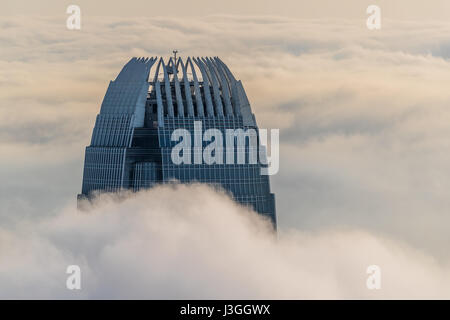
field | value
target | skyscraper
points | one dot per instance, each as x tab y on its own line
132	145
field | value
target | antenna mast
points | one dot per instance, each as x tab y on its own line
175	55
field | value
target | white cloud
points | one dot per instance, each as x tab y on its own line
363	116
192	242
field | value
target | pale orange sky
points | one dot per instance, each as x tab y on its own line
394	9
363	117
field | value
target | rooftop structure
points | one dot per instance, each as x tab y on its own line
132	141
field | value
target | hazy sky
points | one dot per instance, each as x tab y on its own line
363	115
395	9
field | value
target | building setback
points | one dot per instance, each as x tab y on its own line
131	142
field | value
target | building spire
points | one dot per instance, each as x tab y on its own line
175	55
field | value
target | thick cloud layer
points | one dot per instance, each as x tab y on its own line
363	116
192	242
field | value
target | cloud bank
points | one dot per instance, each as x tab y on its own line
191	242
363	116
363	121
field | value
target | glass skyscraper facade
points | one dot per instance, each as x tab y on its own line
132	142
